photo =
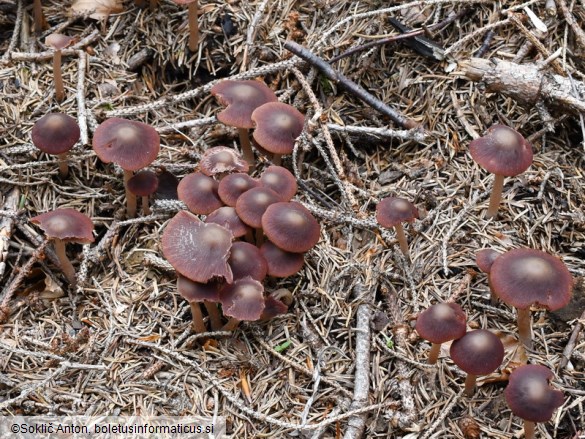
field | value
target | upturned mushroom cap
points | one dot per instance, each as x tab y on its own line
485	258
502	151
290	226
252	204
279	262
58	41
198	292
277	127
529	394
130	144
478	352
246	260
234	185
143	183
523	277
197	250
227	217
66	224
199	193
220	159
243	300
280	180
441	322
393	210
241	98
55	133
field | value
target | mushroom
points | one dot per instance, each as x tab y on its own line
56	133
58	42
233	185
281	263
246	260
530	396
440	323
63	226
242	300
252	204
143	184
196	293
478	352
277	127
199	193
291	227
524	277
392	212
131	145
193	10
197	250
39	17
280	180
241	98
227	217
503	152
484	260
272	308
220	161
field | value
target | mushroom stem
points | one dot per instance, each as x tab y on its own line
198	325
130	197
231	325
529	429
246	147
59	91
434	353
146	205
524	327
66	265
39	19
193	27
276	159
259	237
63	166
153	5
496	196
214	315
401	239
470	384
250	236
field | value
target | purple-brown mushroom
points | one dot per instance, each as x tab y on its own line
199	193
242	300
392	212
143	184
233	185
252	204
227	217
280	180
281	263
58	42
220	161
247	260
484	259
290	226
206	293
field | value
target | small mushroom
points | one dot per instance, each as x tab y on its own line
441	323
206	293
39	17
131	145
193	11
58	42
242	300
280	180
277	127
220	161
252	204
484	259
272	308
281	263
524	277
241	98
143	184
233	185
63	226
197	250
478	352
227	217
56	133
199	193
504	153
246	260
392	212
290	226
530	396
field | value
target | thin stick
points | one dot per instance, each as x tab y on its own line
81	111
349	85
251	33
15	32
567	352
577	30
496	196
7	225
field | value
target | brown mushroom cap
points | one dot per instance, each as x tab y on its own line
246	260
523	277
227	217
66	224
529	394
502	151
393	210
241	98
272	308
252	204
197	250
234	185
290	226
280	180
277	127
281	263
55	133
243	300
221	159
143	183
58	41
485	258
441	322
198	292
130	144
199	193
478	352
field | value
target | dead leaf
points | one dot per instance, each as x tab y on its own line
97	9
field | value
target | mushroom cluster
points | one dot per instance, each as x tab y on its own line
221	260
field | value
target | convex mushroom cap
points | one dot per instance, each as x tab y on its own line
392	211
252	205
233	185
281	263
55	133
441	322
199	193
143	183
478	352
484	259
290	226
220	160
277	127
280	180
67	225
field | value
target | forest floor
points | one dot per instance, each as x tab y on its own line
122	343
